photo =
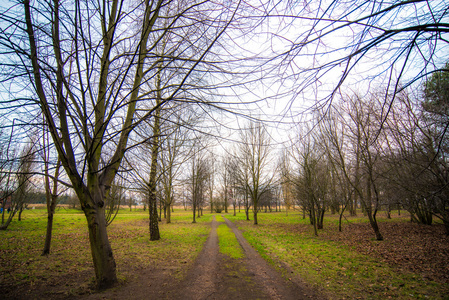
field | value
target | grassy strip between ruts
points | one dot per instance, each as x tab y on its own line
228	243
68	269
340	271
219	218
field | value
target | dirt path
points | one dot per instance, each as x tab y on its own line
216	276
275	286
201	281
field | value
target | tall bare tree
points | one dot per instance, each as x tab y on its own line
360	162
83	64
17	183
313	179
51	189
254	156
198	179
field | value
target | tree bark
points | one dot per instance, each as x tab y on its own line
168	213
152	207
154	223
48	234
104	263
255	212
375	226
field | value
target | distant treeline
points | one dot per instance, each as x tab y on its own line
39	198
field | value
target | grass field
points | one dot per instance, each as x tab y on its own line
349	269
22	266
343	265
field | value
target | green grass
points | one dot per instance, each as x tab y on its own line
337	269
21	245
219	218
283	240
228	242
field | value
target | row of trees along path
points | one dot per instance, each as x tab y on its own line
217	276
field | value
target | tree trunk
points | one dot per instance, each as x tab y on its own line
20	213
339	221
104	263
388	211
5	225
50	215
160	211
255	208
152	203
368	208
154	226
194	213
375	226
48	235
320	218
313	219
168	214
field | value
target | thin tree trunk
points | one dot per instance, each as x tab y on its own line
5	225
339	222
20	212
160	211
48	234
255	212
152	205
375	226
313	219
168	213
52	200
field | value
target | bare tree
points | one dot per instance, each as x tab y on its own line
332	130
416	162
253	155
17	183
226	181
198	179
285	180
51	191
174	153
312	181
360	163
84	63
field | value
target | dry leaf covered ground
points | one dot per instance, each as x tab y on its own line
421	249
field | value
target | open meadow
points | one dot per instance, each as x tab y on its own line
412	261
